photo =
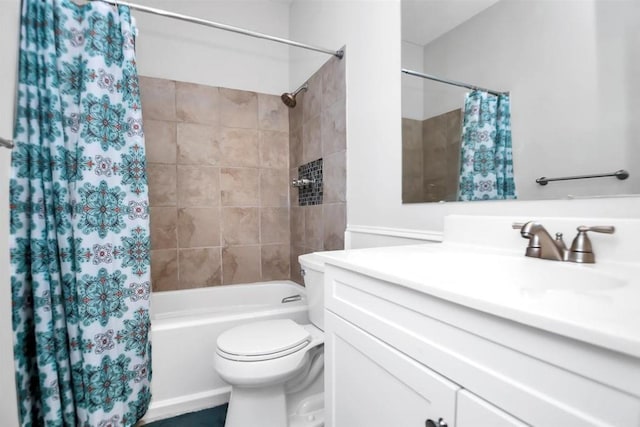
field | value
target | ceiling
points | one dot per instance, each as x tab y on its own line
425	20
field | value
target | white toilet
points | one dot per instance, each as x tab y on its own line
275	367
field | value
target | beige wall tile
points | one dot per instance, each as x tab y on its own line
274	149
334	171
412	134
164	270
199	267
160	141
293	191
238	108
412	161
335	223
434	162
296	251
297	225
164	225
197	103
275	262
274	187
274	225
239	186
295	148
412	189
311	140
333	81
272	113
162	184
198	186
239	148
198	144
312	99
158	98
334	130
241	264
198	227
314	227
240	226
296	113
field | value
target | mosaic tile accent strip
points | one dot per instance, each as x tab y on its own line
312	194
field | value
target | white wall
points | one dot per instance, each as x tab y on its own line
572	91
9	23
413	87
371	31
176	50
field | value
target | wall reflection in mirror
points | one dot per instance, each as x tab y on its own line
571	72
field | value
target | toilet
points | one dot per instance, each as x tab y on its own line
275	367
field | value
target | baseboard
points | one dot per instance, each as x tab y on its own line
168	408
361	236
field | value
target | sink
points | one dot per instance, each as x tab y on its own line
481	265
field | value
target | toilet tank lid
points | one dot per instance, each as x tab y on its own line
263	338
312	260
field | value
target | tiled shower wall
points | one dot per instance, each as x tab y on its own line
431	157
317	127
218	167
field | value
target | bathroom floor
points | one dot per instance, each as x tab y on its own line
213	417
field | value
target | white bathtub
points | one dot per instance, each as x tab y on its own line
184	329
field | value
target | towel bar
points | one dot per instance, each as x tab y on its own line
621	174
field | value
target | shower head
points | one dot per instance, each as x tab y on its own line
289	99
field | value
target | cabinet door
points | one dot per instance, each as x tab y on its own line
475	412
370	384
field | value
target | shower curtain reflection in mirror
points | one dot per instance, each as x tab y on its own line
486	160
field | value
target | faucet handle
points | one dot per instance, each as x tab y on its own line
608	229
581	249
517	225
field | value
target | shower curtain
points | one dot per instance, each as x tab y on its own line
79	220
486	160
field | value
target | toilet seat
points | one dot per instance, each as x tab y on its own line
265	340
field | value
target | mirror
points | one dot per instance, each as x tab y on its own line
571	68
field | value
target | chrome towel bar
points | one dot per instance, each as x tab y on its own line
621	174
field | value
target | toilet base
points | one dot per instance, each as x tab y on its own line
269	409
309	413
264	407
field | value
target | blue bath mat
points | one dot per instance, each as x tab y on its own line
213	417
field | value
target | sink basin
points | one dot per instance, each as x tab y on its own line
455	269
530	274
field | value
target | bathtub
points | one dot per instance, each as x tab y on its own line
185	326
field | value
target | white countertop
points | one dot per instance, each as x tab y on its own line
595	303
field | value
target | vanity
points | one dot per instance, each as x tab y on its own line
470	332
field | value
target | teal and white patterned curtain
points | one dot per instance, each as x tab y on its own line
486	165
79	220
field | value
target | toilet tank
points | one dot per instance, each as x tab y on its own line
313	268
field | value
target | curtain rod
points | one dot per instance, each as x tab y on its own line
452	82
167	14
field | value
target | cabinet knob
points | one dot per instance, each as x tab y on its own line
431	423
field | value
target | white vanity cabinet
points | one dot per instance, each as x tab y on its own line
375	385
397	357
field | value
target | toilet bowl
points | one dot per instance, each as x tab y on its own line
275	367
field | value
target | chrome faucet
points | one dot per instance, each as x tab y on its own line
542	245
